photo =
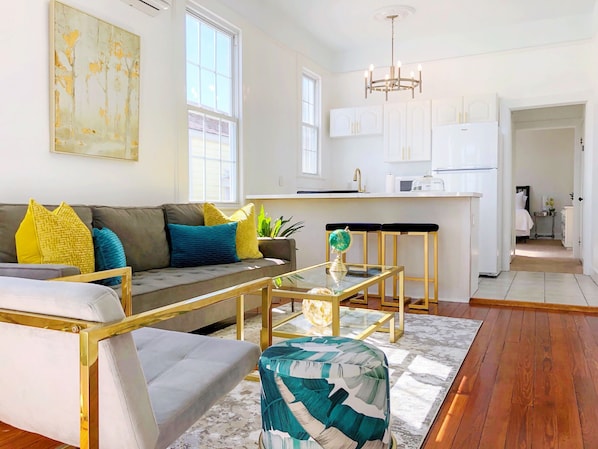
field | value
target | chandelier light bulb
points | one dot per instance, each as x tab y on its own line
419	67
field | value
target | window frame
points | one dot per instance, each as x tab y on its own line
201	14
317	79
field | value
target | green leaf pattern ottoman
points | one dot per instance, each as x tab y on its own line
325	393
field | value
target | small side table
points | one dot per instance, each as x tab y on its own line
543	214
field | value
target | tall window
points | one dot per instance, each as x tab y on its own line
310	124
211	110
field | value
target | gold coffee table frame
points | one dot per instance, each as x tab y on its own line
294	285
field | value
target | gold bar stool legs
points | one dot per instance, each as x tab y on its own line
424	230
362	230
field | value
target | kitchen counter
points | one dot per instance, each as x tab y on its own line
420	194
456	213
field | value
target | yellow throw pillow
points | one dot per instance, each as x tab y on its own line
247	246
58	237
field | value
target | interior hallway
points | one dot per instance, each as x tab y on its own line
543	271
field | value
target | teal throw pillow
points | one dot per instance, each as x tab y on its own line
109	253
192	246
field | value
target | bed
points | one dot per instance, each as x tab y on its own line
523	220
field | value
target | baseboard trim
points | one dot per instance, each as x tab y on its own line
532	305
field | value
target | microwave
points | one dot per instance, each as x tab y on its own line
404	183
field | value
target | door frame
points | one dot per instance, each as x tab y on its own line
506	107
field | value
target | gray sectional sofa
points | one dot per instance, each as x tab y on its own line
143	232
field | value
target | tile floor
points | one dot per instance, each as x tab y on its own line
549	288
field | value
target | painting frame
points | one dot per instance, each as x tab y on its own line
94	83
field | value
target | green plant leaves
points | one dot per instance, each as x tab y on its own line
281	228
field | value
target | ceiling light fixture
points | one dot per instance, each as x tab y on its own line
393	80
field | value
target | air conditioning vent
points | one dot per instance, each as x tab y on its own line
151	7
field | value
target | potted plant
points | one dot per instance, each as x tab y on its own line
280	228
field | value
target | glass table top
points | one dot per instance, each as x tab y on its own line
320	276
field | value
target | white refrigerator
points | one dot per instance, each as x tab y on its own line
465	156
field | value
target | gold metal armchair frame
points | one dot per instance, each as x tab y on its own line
91	333
127	277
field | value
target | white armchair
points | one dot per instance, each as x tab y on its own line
75	369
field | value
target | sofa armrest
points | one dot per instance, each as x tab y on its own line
126	284
36	271
279	248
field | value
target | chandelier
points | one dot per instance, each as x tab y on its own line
395	80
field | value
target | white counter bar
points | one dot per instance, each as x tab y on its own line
456	214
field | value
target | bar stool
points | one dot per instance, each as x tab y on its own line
357	229
414	229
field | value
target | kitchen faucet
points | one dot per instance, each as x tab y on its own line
357	177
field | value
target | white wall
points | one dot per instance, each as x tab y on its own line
522	79
270	115
530	73
542	76
543	159
27	167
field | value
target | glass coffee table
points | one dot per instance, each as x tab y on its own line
350	322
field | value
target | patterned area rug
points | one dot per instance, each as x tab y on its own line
423	365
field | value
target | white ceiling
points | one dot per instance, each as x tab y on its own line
348	32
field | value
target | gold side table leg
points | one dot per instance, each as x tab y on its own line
241	317
266	331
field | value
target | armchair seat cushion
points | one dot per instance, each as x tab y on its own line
187	373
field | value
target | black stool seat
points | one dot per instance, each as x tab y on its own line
357	227
409	227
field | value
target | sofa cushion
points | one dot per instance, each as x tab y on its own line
109	254
193	246
141	230
11	216
186	214
247	246
57	237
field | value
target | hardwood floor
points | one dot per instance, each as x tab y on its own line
530	380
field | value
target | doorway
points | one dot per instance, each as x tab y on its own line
546	156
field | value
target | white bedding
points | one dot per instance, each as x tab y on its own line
523	222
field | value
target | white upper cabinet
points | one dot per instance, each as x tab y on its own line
407	131
467	109
356	121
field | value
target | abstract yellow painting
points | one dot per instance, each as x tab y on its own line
95	86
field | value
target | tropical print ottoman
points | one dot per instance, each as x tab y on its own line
324	392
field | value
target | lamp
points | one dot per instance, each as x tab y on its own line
393	80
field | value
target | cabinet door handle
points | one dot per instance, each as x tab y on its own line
580	199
